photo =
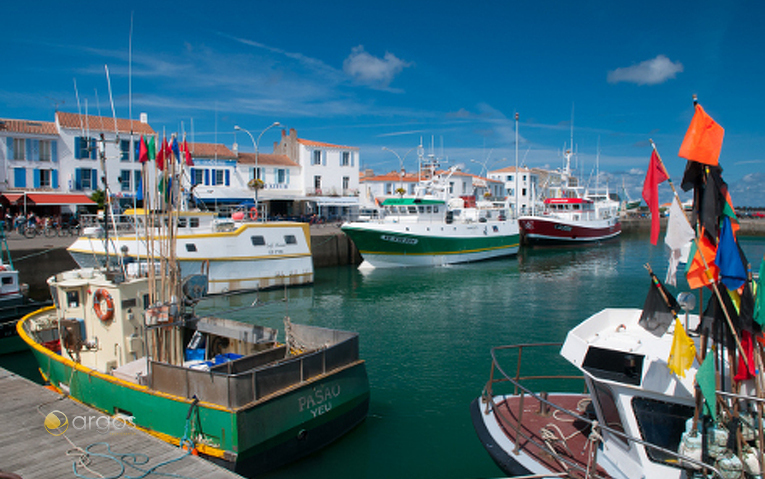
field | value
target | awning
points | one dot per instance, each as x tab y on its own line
334	201
50	199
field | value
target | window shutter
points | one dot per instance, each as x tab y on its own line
323	158
77	147
228	177
136	149
94	179
352	154
54	178
28	149
54	151
36	178
192	176
207	177
287	176
10	148
93	149
20	177
78	179
35	150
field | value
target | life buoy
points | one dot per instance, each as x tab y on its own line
253	213
103	296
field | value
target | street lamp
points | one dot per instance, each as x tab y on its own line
401	165
255	143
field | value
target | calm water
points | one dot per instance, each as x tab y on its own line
426	335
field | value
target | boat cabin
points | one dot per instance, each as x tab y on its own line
413	210
576	209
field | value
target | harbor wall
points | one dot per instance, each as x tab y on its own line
329	247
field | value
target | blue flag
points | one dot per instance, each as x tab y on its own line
732	270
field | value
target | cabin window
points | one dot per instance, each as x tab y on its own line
290	239
421	209
413	210
7	280
661	423
435	209
72	299
191	247
181	222
609	411
258	240
146	301
194	222
428	209
614	365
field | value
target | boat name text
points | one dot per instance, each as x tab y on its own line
396	239
320	401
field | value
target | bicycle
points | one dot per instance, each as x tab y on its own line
30	231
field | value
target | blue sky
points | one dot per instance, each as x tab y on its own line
386	74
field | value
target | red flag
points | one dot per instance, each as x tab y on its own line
653	177
143	151
162	154
187	153
703	140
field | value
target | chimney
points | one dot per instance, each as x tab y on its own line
235	148
144	118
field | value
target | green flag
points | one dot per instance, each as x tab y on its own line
705	378
759	314
152	147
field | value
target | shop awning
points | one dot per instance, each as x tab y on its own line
49	199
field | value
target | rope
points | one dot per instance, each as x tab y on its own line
39	253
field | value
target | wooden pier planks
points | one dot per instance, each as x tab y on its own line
30	451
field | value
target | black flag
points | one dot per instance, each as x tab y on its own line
659	310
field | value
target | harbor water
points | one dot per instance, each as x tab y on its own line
426	333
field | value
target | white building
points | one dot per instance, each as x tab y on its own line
526	182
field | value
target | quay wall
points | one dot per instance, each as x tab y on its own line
39	258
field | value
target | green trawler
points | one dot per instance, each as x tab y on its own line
231	390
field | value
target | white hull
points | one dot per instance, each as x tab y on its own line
232	258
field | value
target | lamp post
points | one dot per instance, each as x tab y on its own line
401	165
255	143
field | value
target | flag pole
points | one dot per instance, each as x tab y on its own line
704	260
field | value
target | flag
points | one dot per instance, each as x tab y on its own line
162	155
151	147
186	153
703	140
695	272
733	272
683	351
679	235
174	148
143	151
730	212
743	372
705	378
653	177
659	309
759	314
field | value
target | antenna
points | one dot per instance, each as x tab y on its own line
79	110
111	101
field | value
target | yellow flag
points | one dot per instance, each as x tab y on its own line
683	351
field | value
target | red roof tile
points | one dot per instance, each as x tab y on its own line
324	145
269	159
211	150
29	127
102	123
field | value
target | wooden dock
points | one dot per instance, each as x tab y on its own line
30	451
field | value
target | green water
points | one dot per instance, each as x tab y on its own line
426	334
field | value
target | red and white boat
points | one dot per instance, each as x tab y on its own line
570	220
571	217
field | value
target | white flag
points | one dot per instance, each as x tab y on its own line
679	235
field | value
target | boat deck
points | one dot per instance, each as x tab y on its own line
568	438
30	451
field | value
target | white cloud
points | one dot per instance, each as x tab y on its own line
371	70
650	72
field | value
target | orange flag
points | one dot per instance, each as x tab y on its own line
695	272
703	140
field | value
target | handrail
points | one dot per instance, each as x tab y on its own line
488	397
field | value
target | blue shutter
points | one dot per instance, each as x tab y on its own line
228	177
207	177
136	149
287	176
10	148
78	179
28	149
192	177
54	178
93	149
94	179
19	177
324	158
54	151
35	150
36	178
77	147
353	155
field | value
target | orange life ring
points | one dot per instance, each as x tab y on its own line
253	213
102	295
